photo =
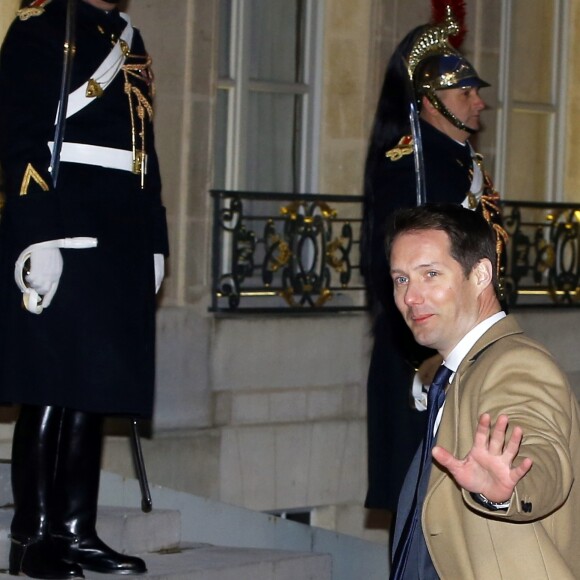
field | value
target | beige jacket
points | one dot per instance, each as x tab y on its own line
539	536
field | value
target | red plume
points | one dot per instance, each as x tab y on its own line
438	15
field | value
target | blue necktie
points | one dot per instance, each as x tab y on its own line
435	399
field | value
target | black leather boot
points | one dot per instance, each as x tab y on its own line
32	551
76	494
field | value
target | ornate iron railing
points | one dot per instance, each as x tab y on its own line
292	252
543	253
300	252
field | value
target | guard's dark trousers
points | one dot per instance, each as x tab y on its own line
56	463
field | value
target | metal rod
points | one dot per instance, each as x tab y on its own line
420	184
69	52
146	502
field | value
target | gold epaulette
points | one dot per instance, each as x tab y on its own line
35	8
404	147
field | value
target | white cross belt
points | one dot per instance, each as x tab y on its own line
108	157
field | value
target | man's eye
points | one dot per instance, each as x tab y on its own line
400	280
432	274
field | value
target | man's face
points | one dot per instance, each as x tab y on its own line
437	301
465	104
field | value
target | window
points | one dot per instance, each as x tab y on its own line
267	101
531	119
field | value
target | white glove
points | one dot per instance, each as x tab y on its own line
159	266
45	271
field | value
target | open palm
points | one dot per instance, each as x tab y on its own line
488	467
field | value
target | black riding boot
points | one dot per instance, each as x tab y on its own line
32	551
76	494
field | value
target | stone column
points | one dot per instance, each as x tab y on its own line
181	36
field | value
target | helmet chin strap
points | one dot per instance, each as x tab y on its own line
438	104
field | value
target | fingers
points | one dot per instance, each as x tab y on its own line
495	442
513	444
482	431
45	269
488	467
497	439
446	459
498	446
521	470
484	422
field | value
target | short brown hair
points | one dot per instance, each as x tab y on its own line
471	238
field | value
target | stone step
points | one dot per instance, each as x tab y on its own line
131	531
127	530
156	538
208	522
196	538
5	483
204	562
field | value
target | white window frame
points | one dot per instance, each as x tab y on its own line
555	158
239	86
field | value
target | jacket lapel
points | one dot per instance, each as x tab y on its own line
448	435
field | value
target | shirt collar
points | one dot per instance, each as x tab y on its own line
457	355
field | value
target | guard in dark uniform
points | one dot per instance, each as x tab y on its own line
446	89
87	349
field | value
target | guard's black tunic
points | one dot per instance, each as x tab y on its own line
93	348
394	428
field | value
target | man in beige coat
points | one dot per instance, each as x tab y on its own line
501	497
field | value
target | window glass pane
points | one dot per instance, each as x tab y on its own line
273	141
531	59
276	43
221	132
528	143
225	24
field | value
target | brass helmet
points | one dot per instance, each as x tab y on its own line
435	65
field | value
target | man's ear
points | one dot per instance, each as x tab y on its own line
426	105
483	273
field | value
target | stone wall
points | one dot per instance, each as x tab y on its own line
279	424
572	152
181	35
344	130
7	12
